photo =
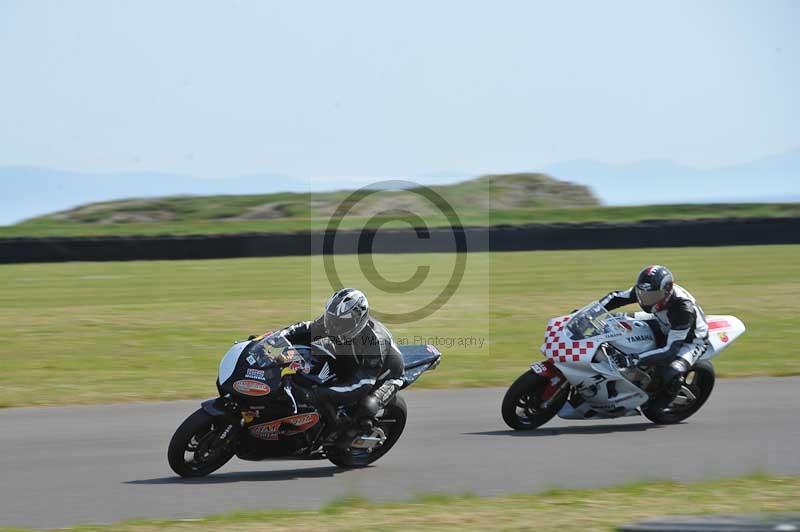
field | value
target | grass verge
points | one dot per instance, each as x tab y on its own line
556	510
107	332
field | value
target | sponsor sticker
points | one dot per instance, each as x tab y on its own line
251	360
253	373
254	388
718	324
604	406
286	426
538	368
325	373
299	364
723	337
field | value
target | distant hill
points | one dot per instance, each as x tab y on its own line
473	197
26	192
488	200
775	178
31	191
481	201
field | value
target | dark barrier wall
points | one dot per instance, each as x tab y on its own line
677	233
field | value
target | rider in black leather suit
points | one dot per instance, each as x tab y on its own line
364	357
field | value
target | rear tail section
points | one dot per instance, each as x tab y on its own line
418	359
722	331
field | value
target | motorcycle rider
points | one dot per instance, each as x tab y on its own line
364	357
680	319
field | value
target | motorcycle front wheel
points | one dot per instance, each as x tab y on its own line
195	449
391	422
523	408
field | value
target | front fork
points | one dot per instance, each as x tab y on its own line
556	382
227	419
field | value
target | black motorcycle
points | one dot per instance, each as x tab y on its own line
257	417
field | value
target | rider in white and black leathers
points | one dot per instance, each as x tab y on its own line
364	356
680	319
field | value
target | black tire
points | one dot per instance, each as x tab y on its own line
198	437
700	382
392	421
522	403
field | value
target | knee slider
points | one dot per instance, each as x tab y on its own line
673	373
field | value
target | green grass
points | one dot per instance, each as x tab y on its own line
303	221
107	332
556	510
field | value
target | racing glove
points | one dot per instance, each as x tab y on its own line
624	361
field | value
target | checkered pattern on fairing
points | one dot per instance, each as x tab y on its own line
557	348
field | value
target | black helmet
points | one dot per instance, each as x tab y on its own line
346	313
654	287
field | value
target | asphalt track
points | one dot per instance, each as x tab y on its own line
64	466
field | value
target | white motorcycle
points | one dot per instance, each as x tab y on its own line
579	380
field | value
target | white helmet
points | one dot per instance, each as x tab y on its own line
346	313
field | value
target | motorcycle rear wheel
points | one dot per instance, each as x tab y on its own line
392	421
195	450
522	405
699	382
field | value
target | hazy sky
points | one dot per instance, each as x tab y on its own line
313	89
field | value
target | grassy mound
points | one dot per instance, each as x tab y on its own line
488	200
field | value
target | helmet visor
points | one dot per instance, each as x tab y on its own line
340	326
648	298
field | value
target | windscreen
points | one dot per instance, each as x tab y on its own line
593	320
272	350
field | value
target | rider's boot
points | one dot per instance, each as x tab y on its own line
377	400
672	378
366	412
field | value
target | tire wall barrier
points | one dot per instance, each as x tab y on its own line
673	233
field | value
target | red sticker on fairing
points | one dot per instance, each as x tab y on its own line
718	324
248	387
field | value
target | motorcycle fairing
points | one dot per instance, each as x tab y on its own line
417	360
639	336
604	390
722	331
555	378
239	378
286	426
572	342
228	363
